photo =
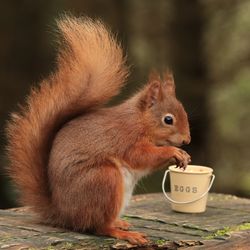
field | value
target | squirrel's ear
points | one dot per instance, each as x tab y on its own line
151	95
168	82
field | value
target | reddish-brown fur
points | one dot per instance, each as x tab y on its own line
67	152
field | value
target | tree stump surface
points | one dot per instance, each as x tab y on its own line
224	225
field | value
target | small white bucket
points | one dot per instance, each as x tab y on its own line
189	188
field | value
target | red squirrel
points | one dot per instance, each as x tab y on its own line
75	160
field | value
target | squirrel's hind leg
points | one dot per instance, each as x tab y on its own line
111	185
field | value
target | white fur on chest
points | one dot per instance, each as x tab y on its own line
130	178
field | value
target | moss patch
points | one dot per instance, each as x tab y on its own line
63	246
160	242
245	226
226	231
125	218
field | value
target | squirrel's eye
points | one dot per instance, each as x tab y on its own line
168	119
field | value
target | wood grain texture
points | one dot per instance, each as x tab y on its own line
224	225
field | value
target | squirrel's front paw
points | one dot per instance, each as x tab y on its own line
182	158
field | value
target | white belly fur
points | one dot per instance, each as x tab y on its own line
130	178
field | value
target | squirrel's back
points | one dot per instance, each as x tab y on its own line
93	137
90	70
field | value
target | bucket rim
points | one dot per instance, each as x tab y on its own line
206	170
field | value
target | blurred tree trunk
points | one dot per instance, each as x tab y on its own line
26	55
228	53
186	54
147	36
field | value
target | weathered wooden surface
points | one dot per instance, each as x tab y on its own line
225	225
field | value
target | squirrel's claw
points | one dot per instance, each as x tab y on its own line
182	159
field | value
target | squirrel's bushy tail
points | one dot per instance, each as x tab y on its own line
90	70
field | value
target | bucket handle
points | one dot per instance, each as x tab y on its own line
184	202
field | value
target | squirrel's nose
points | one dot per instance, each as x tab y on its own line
187	140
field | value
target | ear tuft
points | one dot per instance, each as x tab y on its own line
151	95
154	76
169	83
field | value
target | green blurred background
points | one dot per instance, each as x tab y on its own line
206	43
